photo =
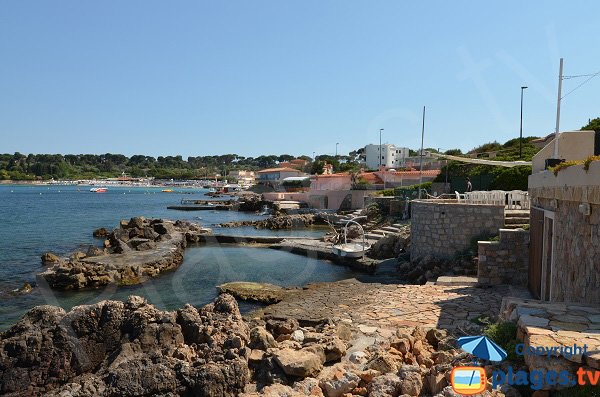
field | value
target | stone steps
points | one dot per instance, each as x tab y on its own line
516	220
456	280
516	226
390	229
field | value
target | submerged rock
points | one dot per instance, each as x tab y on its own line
128	349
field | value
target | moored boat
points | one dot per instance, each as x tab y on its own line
98	190
355	249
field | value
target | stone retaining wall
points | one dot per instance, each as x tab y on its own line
505	261
443	228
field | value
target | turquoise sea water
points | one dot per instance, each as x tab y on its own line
36	219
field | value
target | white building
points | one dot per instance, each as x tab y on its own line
391	156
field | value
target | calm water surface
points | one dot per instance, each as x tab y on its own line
36	219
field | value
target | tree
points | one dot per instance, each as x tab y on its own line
592	125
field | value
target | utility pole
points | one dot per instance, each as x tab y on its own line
521	127
380	153
557	132
421	166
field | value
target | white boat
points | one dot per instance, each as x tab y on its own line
98	190
352	250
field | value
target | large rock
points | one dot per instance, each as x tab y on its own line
337	380
126	349
49	259
299	363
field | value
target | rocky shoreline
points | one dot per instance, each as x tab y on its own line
137	250
279	222
114	348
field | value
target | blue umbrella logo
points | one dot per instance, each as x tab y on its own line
482	347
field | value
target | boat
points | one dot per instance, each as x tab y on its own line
98	190
212	190
352	250
167	190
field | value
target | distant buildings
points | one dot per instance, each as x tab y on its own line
298	164
243	178
274	176
390	156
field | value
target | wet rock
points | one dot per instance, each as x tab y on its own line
100	232
136	222
94	251
49	259
164	228
77	256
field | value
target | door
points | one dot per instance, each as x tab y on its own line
536	246
547	256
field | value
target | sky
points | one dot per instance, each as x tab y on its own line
197	78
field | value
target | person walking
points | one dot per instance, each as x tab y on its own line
469	185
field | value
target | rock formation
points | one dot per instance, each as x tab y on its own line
126	349
135	251
279	222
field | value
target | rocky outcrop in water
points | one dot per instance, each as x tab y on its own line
135	251
126	349
279	222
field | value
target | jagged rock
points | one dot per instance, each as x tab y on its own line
282	327
136	222
164	228
299	363
94	251
126	260
261	339
50	258
126	349
388	385
255	292
101	232
337	380
412	383
77	256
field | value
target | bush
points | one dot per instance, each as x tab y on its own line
504	334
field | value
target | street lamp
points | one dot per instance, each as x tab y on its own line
336	145
381	129
521	127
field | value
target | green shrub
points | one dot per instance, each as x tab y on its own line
504	334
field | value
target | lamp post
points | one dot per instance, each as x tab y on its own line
521	127
380	153
336	145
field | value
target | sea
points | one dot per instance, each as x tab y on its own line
38	218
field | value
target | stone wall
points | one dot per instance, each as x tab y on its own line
576	271
575	276
393	206
505	261
443	228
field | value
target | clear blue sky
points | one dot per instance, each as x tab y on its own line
261	77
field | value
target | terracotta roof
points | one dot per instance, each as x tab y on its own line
268	170
332	175
371	178
411	173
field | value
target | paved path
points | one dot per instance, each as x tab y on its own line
390	305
